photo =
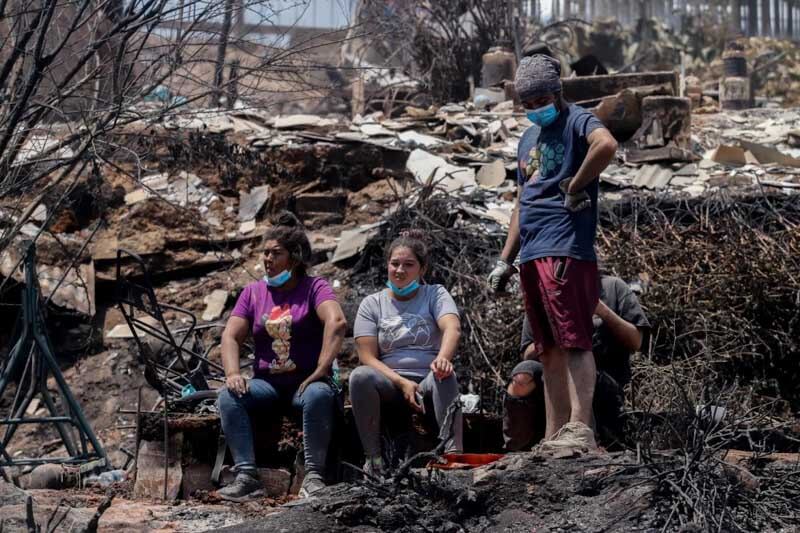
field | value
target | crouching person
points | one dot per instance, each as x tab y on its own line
298	327
619	325
406	337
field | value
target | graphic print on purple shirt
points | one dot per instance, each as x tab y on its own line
545	157
285	327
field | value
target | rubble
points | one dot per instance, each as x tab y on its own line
698	210
215	304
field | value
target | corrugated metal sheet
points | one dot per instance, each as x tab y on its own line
652	177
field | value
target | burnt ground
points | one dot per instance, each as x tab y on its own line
520	493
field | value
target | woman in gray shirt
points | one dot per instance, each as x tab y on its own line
406	337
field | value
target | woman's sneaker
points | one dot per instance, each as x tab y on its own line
244	487
311	484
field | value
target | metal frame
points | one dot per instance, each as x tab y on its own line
32	359
177	364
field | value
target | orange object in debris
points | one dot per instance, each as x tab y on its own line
455	461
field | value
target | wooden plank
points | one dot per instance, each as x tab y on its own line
592	87
738	457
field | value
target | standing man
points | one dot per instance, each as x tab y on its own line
553	229
620	326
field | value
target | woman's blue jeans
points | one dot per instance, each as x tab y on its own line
317	404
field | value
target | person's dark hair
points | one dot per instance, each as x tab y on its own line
290	234
415	240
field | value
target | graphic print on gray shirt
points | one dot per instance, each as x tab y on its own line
408	334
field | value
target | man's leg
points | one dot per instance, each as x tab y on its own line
534	277
556	390
523	407
570	290
582	375
607	406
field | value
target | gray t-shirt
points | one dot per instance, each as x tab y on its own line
408	334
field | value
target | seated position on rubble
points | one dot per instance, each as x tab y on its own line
619	327
298	328
553	229
406	336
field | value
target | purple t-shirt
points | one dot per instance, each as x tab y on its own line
285	326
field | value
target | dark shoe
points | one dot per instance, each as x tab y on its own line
311	484
245	487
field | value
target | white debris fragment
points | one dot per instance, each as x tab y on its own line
215	304
431	169
247	227
491	175
136	196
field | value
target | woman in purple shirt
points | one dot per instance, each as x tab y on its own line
298	328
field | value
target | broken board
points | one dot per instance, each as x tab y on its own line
150	468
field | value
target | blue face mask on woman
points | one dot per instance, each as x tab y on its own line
405	291
543	116
279	279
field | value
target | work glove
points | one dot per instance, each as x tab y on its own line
574	202
499	276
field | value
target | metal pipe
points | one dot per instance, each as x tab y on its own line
19	421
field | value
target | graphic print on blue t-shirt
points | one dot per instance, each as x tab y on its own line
545	157
551	156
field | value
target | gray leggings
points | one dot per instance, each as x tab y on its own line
369	388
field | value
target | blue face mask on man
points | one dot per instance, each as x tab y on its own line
405	291
278	280
543	116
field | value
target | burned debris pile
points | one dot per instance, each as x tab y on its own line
698	214
720	280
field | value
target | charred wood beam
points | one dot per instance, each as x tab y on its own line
594	87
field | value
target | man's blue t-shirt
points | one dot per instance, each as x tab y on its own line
545	157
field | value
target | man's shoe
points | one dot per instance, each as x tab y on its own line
311	484
245	487
576	437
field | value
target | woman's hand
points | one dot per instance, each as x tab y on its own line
442	368
236	384
317	375
409	390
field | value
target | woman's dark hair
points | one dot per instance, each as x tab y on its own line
289	233
415	240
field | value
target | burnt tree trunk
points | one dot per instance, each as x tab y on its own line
222	49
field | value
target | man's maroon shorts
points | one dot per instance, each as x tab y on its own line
560	295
